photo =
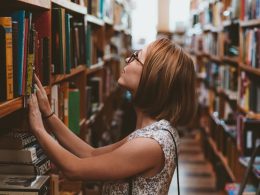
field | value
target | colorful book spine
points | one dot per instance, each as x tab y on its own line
30	63
6	22
19	16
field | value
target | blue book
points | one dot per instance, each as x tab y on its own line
19	16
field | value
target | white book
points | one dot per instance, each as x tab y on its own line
24	184
27	155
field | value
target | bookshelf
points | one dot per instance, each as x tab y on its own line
70	6
35	3
225	49
78	56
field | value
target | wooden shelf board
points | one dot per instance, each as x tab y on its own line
37	3
95	67
13	105
233	60
250	23
229	23
71	6
215	58
222	158
211	28
118	28
250	69
108	21
248	113
63	77
95	20
245	164
109	57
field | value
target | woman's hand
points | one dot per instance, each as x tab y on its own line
35	118
43	101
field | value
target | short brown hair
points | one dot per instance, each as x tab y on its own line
167	85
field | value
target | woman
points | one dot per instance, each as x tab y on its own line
161	79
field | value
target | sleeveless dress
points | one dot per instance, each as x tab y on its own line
160	183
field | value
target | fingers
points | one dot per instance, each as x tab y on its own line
38	82
32	101
38	92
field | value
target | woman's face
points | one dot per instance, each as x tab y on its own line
131	73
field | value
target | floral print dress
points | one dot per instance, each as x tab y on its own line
160	183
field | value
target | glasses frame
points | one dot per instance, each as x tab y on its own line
133	57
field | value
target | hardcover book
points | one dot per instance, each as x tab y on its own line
24	184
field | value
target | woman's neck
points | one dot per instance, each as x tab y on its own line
142	120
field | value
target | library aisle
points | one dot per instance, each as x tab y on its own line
196	173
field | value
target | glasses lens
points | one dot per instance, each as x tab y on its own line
131	58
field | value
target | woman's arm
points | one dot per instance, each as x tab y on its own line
73	143
133	157
67	138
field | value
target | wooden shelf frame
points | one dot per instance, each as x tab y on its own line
249	69
215	58
250	23
15	104
94	20
95	67
245	164
43	4
228	59
74	71
70	6
222	158
108	21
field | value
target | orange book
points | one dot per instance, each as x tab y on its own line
6	22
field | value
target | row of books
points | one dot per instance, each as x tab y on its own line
68	35
211	12
249	94
251	51
237	87
24	45
249	9
65	103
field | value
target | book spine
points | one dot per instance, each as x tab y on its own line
24	156
19	16
6	22
30	64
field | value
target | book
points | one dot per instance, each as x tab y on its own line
24	184
74	110
30	62
233	189
2	64
15	59
6	23
42	22
40	167
17	140
59	40
19	17
68	42
26	155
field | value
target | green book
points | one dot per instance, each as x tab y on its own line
74	110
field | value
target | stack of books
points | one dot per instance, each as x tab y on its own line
20	153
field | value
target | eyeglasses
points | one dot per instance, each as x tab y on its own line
133	57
